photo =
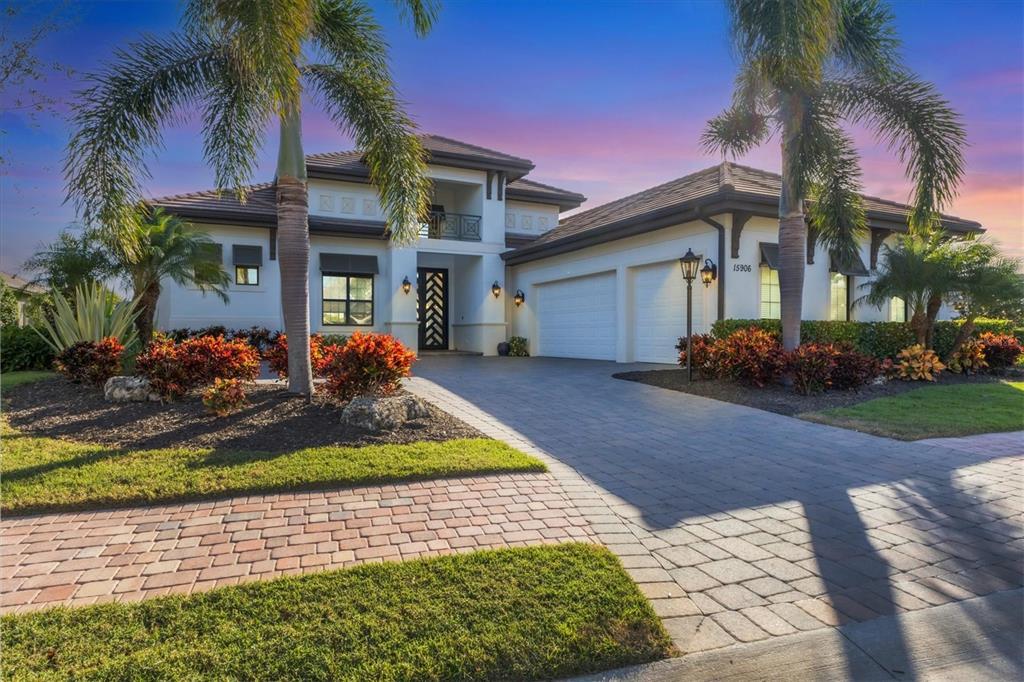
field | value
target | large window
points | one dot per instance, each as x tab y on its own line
771	299
347	299
838	308
897	309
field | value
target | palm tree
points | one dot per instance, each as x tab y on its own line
989	285
244	63
166	247
808	66
75	258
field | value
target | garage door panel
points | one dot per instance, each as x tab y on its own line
659	312
576	318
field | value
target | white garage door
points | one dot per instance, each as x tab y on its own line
659	311
576	318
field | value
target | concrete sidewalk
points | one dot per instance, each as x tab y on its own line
975	639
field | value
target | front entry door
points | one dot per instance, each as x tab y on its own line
432	311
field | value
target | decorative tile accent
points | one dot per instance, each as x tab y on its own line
510	220
542	222
326	202
526	222
369	207
348	205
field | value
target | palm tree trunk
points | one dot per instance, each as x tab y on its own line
934	307
962	334
293	250
145	322
792	237
919	323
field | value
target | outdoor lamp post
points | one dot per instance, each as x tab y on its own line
688	264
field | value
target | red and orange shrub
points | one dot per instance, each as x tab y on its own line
1001	350
90	362
175	369
750	356
811	366
853	369
702	354
320	349
367	364
224	397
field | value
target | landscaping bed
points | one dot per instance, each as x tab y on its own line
530	613
273	421
784	400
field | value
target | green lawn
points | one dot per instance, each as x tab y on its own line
9	380
935	412
537	612
46	474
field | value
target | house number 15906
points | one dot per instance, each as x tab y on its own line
739	267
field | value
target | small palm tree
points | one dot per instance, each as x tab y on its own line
990	285
166	247
245	63
808	66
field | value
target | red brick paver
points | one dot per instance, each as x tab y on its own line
131	554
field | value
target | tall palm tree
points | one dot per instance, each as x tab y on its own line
807	67
244	63
167	247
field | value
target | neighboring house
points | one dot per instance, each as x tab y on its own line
23	292
603	284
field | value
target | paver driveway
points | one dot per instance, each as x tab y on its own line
741	524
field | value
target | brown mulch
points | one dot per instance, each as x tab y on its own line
782	399
274	421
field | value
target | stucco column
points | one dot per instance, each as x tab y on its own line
401	322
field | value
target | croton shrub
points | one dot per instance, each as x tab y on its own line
970	359
1001	350
224	397
321	348
367	364
90	362
174	369
917	363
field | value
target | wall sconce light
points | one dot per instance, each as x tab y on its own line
519	297
406	285
708	273
496	289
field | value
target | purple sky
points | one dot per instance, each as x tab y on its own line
607	98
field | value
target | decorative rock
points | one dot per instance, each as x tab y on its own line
123	389
383	413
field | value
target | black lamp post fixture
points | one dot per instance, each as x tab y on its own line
406	285
688	264
519	297
496	289
708	273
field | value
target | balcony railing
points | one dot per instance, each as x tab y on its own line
442	225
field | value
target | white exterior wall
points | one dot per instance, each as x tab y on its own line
523	217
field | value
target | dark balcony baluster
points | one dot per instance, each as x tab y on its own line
443	225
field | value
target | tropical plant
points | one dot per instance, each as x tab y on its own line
988	285
76	257
969	358
22	348
90	362
224	397
175	369
1001	350
750	356
917	363
806	68
244	64
8	306
95	315
811	366
166	248
368	364
518	347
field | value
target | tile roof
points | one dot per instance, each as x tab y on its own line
21	284
527	190
726	178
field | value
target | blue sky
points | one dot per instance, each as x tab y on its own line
607	98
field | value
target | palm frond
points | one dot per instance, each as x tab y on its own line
918	124
836	210
361	100
866	42
118	118
346	29
421	13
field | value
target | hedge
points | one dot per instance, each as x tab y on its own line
880	339
21	348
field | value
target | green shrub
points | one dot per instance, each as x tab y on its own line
879	339
518	347
21	348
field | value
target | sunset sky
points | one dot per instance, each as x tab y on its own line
606	98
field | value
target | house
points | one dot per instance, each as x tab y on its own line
24	291
602	284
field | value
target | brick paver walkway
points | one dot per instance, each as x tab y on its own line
991	444
131	554
740	524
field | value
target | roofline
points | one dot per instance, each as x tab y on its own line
564	200
709	205
317	224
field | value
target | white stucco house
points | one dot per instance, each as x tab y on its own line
604	283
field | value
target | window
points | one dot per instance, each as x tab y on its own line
897	309
771	299
347	299
247	275
838	302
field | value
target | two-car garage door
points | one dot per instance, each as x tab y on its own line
577	318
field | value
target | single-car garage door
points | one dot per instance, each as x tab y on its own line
659	310
576	318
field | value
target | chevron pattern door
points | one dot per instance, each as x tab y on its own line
432	311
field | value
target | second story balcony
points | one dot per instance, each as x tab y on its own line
458	226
